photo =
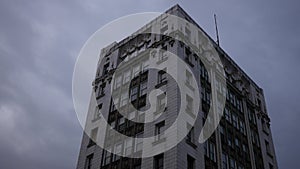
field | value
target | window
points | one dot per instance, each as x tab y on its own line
244	148
126	77
212	151
145	65
222	132
189	104
242	127
161	102
191	135
227	115
112	125
190	162
133	54
131	115
124	98
203	72
188	54
97	113
138	143
93	136
255	138
117	151
188	33
121	123
128	146
164	29
162	76
101	90
143	88
251	115
232	164
105	69
224	161
268	149
159	127
136	70
234	120
114	104
88	162
134	93
118	81
110	129
107	156
271	166
137	166
264	126
229	140
237	142
159	161
189	78
163	54
206	148
221	128
240	167
239	104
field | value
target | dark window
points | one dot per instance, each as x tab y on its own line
121	124
106	156
189	105
224	161
268	149
234	120
105	69
137	166
93	137
232	163
97	113
143	88
206	148
191	135
161	102
251	115
159	130
133	93
162	76
159	161
101	91
271	166
190	162
88	162
114	103
212	151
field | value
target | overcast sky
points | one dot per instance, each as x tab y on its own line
40	40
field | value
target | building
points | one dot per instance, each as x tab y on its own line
242	140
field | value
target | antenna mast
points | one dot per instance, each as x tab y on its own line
217	32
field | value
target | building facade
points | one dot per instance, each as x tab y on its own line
242	140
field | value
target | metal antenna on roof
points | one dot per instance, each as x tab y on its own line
217	32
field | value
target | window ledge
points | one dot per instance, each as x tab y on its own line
160	111
99	96
191	143
96	119
161	84
190	113
161	140
265	132
162	60
269	154
190	86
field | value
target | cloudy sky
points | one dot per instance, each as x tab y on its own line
40	40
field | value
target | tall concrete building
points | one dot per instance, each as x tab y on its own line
242	139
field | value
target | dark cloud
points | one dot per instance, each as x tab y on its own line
41	39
